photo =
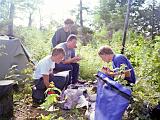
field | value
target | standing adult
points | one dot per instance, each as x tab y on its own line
62	33
70	59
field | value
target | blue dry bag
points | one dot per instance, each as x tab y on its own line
112	98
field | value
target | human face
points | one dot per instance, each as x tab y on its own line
105	58
58	58
73	43
68	27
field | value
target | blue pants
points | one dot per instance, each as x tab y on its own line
73	67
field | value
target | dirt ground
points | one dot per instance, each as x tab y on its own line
25	111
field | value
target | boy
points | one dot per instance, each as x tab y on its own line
107	55
42	73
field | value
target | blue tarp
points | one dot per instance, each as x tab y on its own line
112	99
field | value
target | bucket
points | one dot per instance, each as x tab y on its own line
6	99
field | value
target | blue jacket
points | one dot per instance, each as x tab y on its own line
119	59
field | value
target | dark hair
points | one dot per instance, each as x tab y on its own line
57	51
68	21
105	50
71	37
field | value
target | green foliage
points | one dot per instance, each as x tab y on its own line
4	15
86	30
75	114
50	117
85	35
23	78
50	100
37	42
144	90
145	58
91	62
52	97
4	6
146	19
104	10
121	74
154	70
138	46
143	53
144	98
111	14
89	59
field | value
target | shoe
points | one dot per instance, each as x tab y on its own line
36	102
80	81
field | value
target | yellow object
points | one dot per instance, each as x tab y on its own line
51	84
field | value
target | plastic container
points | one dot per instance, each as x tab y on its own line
6	99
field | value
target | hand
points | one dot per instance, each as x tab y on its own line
109	72
106	70
127	73
122	76
76	59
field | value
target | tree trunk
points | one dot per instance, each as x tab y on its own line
153	20
30	20
40	20
126	26
81	18
11	15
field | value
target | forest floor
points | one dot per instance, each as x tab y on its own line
23	110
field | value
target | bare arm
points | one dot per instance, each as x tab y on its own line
46	80
72	60
107	71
